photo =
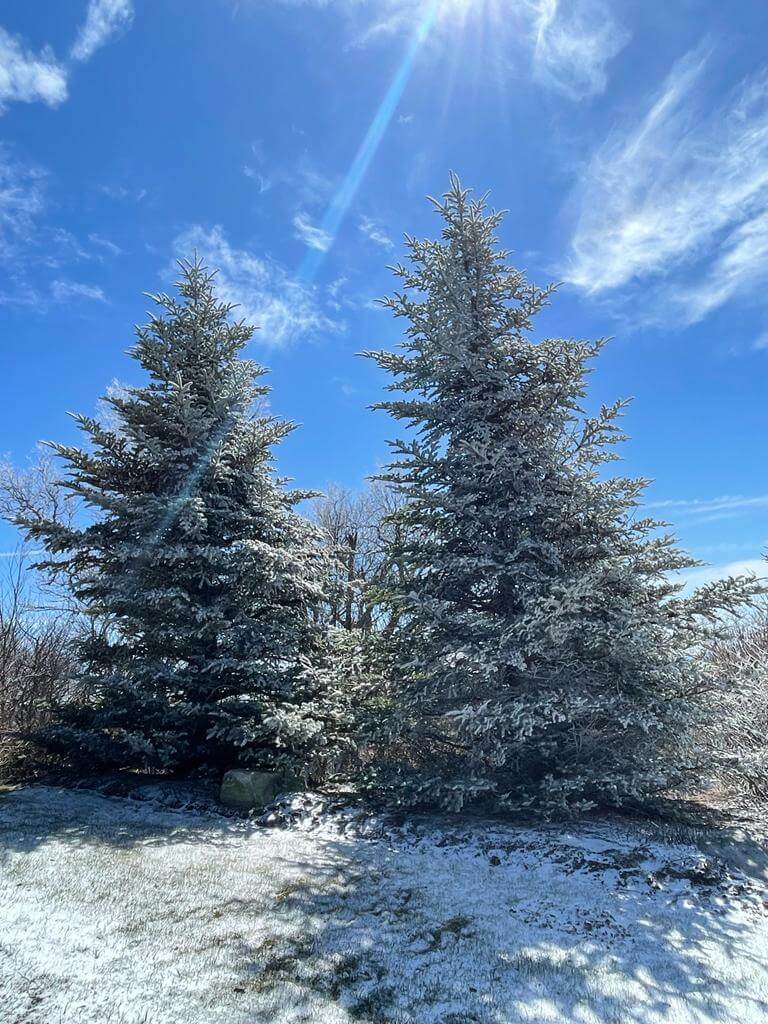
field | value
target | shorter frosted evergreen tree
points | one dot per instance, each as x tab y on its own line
202	576
544	657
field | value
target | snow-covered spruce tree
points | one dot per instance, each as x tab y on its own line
195	561
544	658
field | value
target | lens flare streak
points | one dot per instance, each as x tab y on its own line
339	206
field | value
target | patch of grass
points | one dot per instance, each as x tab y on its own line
453	926
375	1007
339	974
541	964
281	963
284	965
290	890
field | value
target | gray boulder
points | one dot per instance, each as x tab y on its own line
252	791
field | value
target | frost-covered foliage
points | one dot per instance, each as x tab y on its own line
357	703
741	659
544	656
195	560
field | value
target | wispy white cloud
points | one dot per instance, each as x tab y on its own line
122	192
18	291
37	256
740	266
27	77
694	511
335	293
283	309
309	187
30	244
700	576
103	20
345	386
679	200
263	182
21	202
375	233
64	291
573	44
106	245
311	235
312	185
713	552
58	247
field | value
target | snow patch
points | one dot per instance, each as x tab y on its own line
122	912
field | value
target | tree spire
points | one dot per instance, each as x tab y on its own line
194	560
544	658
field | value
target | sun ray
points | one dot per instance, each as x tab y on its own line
339	206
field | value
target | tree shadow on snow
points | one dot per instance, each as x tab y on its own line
31	816
407	939
472	925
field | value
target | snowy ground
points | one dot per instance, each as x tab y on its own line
119	913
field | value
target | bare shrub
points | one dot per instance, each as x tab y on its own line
360	530
35	494
36	659
38	622
38	616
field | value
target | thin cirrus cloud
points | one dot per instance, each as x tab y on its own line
573	44
375	233
104	19
64	291
40	77
284	310
310	234
105	245
678	202
30	245
21	202
25	237
695	511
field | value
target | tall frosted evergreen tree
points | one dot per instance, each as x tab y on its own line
544	659
195	563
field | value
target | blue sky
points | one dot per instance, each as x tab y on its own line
292	143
